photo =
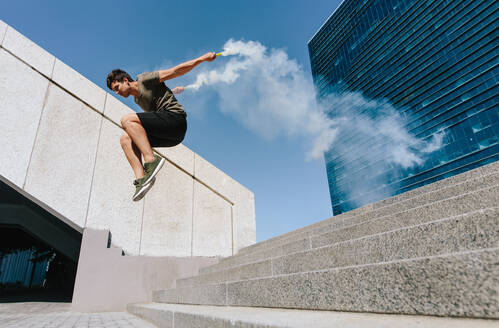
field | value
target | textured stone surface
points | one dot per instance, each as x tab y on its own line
3	29
466	232
436	255
218	180
202	279
191	320
266	253
48	315
115	109
180	155
162	319
29	52
189	316
206	294
244	220
243	272
477	200
297	236
167	222
62	164
21	100
341	230
464	285
368	211
212	223
78	85
489	168
111	206
213	177
392	205
319	234
249	271
421	199
472	174
242	198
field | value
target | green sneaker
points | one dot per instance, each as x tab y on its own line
141	188
152	168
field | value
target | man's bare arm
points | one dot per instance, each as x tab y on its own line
183	68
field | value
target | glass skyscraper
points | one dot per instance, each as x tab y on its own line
436	62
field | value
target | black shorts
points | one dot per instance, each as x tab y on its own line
163	128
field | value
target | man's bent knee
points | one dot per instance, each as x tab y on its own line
128	119
125	139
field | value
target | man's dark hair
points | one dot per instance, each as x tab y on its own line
117	75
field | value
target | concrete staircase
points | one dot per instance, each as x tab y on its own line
405	261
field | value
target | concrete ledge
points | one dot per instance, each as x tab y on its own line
114	109
180	155
29	52
195	316
3	29
78	85
216	179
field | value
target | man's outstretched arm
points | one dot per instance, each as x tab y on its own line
183	68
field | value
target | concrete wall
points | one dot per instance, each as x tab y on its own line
60	146
107	281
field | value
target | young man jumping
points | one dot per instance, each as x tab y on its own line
162	124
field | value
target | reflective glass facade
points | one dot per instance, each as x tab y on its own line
436	61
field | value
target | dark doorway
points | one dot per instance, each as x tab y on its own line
31	270
38	251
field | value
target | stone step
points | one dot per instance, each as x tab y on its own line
443	208
473	182
339	220
455	234
462	284
196	316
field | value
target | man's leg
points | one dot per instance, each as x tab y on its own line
134	129
153	163
133	155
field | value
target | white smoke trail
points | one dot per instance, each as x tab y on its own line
252	52
271	94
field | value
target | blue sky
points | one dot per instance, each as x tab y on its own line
95	37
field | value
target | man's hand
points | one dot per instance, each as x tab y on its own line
209	56
178	90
